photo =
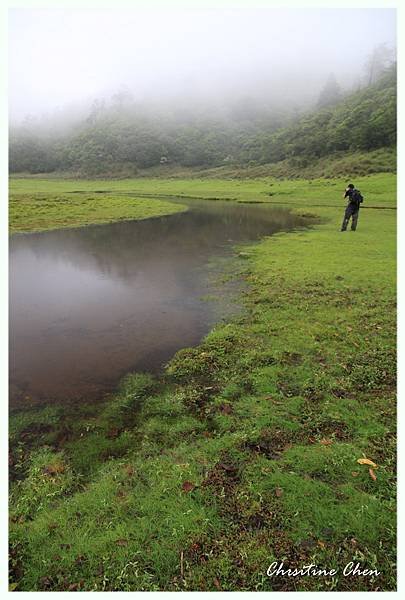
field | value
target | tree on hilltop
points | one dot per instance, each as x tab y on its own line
330	93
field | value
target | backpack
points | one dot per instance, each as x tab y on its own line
356	197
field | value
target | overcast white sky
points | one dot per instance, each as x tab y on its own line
60	57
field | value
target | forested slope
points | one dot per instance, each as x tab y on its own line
124	137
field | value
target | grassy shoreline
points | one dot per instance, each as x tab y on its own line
36	211
246	450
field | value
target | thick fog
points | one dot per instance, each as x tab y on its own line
66	58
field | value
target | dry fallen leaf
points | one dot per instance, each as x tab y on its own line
129	470
279	492
112	433
121	542
188	486
54	469
372	475
355	473
366	461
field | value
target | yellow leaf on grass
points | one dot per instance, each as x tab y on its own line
366	461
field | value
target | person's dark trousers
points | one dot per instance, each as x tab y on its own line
353	212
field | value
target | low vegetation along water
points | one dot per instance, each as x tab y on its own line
273	439
88	305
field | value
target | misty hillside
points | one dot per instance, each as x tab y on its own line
123	137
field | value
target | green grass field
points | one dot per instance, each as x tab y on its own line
33	210
245	451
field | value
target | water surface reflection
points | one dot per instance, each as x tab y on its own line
90	304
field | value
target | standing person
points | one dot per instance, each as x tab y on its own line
352	208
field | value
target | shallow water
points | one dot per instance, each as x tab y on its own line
88	305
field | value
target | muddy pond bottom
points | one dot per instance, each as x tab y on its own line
88	305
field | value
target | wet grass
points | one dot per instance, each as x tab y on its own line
245	451
376	188
48	210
